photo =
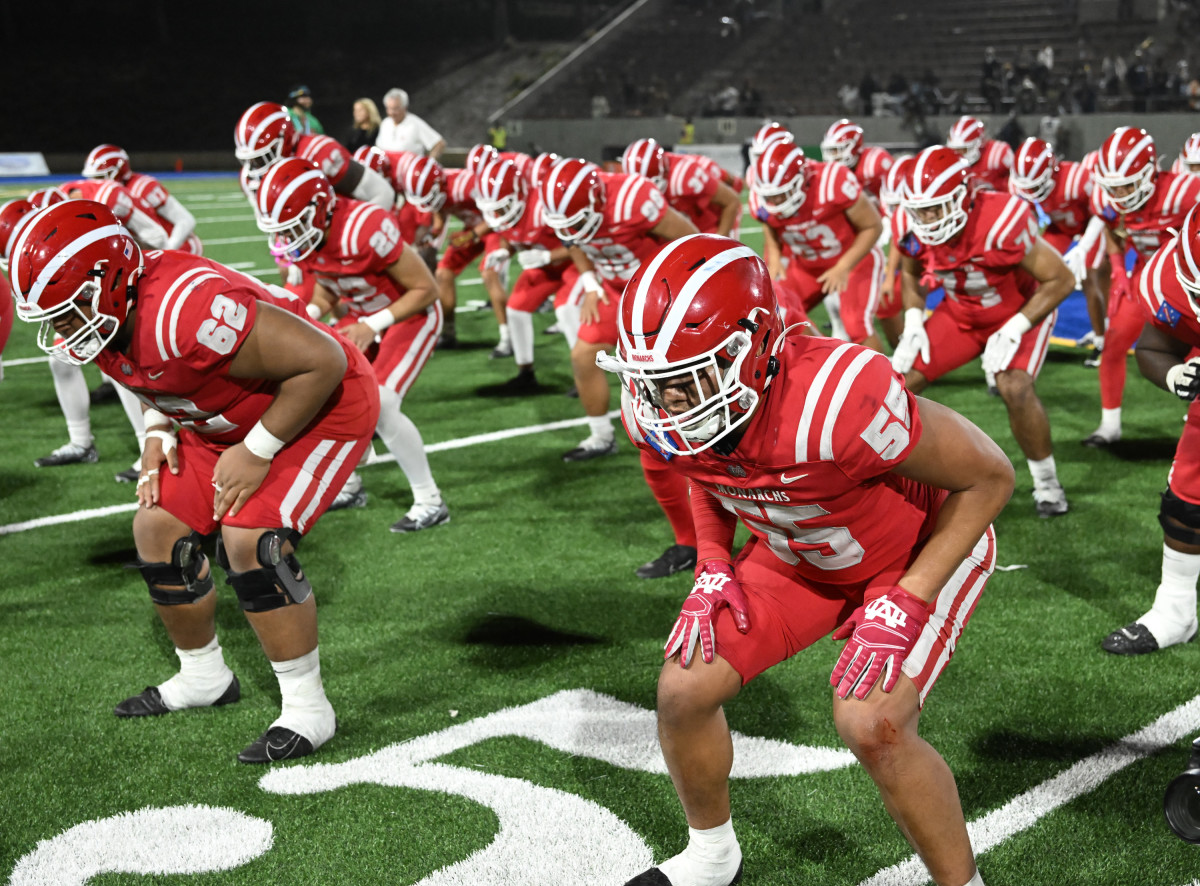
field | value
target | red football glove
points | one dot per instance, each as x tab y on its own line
1119	288
882	633
715	587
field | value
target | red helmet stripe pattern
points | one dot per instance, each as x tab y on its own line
32	290
271	213
916	191
1191	149
776	179
965	131
460	190
1033	159
1112	163
581	175
250	139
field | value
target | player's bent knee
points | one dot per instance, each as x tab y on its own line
695	691
1180	520
278	581
179	582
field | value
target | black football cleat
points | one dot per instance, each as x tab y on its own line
149	703
129	475
69	454
447	341
589	449
655	877
1097	440
103	393
524	382
277	743
1135	639
674	559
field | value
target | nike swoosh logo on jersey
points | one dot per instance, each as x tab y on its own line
154	375
784	478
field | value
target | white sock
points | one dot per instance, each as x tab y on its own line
1045	474
1099	342
711	858
833	307
503	333
568	323
133	411
71	388
305	708
1110	423
976	880
403	440
203	676
520	327
1173	615
601	427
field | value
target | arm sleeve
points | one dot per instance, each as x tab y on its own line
184	222
714	526
374	188
148	234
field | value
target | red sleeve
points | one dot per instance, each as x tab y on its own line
379	240
715	526
842	190
648	206
214	320
877	423
1013	233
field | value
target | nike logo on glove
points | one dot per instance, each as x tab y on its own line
785	479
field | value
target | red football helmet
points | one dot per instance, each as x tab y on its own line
425	184
107	161
43	197
541	166
14	215
264	134
767	135
967	136
479	157
646	157
892	188
294	207
1187	258
375	159
1033	171
1128	162
699	315
1189	157
501	194
780	178
843	143
71	256
573	200
937	180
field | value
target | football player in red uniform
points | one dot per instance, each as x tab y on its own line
1003	287
890	312
513	209
1140	206
272	413
692	184
1061	191
1167	288
1189	156
265	133
843	143
870	513
816	215
362	266
110	162
989	160
612	222
14	215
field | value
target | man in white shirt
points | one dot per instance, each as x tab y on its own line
402	131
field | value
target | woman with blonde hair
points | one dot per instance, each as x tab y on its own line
366	124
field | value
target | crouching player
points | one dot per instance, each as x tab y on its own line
273	413
870	512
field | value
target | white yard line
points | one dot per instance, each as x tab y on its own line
459	443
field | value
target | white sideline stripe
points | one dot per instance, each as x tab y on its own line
229	241
460	443
1087	775
246	216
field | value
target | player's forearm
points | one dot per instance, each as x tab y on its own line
714	526
301	396
864	241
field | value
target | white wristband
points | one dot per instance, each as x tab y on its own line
589	281
314	312
262	442
1018	323
914	317
379	321
152	417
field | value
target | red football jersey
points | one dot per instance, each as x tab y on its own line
871	170
1069	204
1148	228
979	267
327	155
817	235
992	168
362	242
113	195
151	196
632	206
531	228
811	476
691	182
1179	167
460	199
1163	300
192	317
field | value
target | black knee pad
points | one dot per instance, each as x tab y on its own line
1188	514
280	581
178	582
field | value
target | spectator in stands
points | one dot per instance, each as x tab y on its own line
991	86
1193	94
867	87
751	99
600	106
1044	67
365	127
1138	81
688	135
404	131
301	111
